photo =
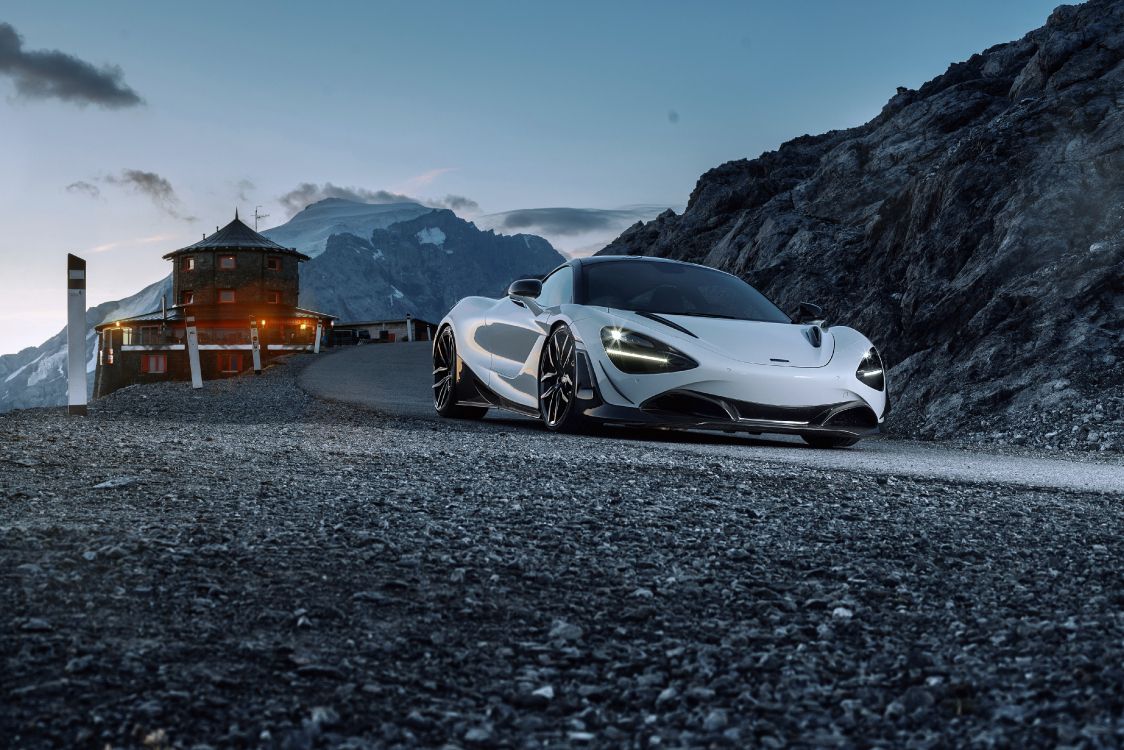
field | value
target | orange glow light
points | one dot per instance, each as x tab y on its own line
263	324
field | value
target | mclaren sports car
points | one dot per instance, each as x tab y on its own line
649	342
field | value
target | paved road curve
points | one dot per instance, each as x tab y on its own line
395	380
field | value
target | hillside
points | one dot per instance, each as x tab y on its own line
422	266
974	229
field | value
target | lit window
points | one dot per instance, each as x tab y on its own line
226	296
226	262
273	263
188	264
187	297
230	362
273	298
154	364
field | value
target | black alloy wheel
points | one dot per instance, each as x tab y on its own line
445	378
558	383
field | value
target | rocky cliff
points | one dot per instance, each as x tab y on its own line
974	230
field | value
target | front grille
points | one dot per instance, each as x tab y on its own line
859	416
687	405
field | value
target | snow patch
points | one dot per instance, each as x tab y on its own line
397	294
48	366
377	255
12	377
431	236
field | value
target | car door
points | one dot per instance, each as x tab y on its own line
517	329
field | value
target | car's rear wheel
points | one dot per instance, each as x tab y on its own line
558	383
829	441
445	379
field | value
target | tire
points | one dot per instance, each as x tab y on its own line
558	383
446	378
827	441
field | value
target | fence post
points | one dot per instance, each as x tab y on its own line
193	353
255	345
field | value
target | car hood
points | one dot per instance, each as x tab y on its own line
750	341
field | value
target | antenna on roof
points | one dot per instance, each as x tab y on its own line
236	213
258	216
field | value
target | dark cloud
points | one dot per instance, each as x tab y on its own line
82	186
307	193
157	188
456	203
571	221
672	116
51	74
244	188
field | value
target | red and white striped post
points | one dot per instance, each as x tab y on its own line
76	334
319	333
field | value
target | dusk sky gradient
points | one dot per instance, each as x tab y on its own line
512	105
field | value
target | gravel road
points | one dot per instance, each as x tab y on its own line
250	566
395	380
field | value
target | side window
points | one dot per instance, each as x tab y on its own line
558	288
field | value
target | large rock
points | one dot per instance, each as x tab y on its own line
974	229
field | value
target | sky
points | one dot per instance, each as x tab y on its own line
129	129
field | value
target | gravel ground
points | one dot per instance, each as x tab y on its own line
251	567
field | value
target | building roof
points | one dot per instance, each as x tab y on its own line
236	236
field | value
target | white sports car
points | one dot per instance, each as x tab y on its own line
658	343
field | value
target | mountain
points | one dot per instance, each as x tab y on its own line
974	230
421	266
36	376
310	229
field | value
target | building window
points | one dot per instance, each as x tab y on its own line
273	298
230	362
187	297
273	263
226	262
226	296
154	364
188	264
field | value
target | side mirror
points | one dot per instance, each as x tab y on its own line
525	288
808	313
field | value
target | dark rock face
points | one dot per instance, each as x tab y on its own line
422	266
974	230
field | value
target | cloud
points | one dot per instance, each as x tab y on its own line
456	203
307	193
244	188
157	188
126	243
573	221
423	179
82	186
574	231
51	74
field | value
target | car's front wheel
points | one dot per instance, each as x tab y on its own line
829	441
558	383
445	378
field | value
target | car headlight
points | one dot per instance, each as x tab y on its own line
636	354
871	372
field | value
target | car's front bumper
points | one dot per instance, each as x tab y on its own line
710	407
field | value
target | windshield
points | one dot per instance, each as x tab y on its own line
675	289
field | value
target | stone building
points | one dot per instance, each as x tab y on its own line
238	289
